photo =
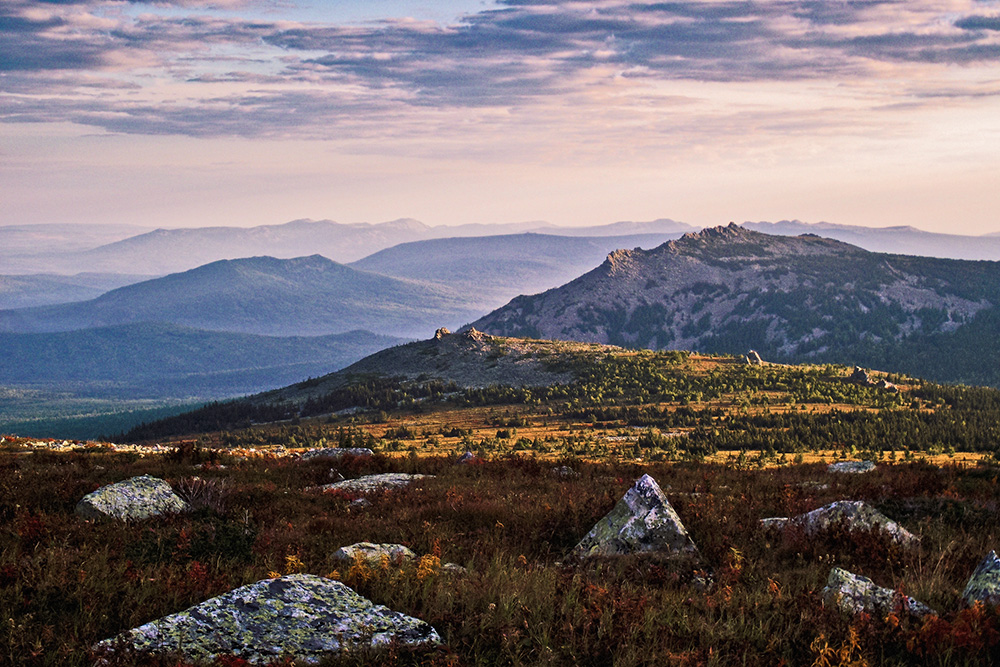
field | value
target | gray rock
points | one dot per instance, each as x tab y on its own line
856	515
774	523
855	467
371	553
370	483
984	585
564	472
467	458
336	453
753	359
454	568
853	594
301	616
133	499
860	376
642	522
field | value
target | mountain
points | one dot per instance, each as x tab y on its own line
804	298
262	295
150	360
29	240
901	240
488	271
26	291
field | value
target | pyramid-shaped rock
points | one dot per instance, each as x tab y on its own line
132	500
300	616
853	594
642	522
984	585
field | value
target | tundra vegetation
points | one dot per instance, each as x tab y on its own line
730	444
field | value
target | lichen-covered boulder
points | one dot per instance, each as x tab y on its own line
300	616
133	499
853	467
856	516
853	594
774	523
468	458
336	453
371	553
643	522
370	483
984	585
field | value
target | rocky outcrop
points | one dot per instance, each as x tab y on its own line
854	515
370	553
643	522
855	467
133	499
336	453
854	594
984	585
441	333
371	483
753	359
860	376
468	458
300	616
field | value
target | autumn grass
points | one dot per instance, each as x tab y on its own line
66	583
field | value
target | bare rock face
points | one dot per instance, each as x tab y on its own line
856	515
984	585
643	521
370	483
855	467
441	333
371	554
300	616
853	594
133	499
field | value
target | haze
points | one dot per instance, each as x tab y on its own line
233	112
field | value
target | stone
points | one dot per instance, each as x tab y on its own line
888	386
371	483
643	522
774	523
984	584
753	359
133	499
854	467
467	458
857	516
854	594
299	616
371	553
565	472
336	453
441	333
860	376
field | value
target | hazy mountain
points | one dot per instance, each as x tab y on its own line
26	291
263	295
489	271
902	240
802	298
148	360
27	240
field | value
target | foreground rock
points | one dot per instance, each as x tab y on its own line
300	616
854	594
642	522
336	453
133	499
854	515
371	553
984	585
371	483
855	467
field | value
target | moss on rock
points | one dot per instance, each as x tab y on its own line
133	499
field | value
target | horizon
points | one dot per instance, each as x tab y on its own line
248	113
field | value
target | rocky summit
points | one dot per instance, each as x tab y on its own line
854	594
643	522
133	499
984	585
300	616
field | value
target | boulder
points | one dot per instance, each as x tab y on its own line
775	523
336	453
133	499
856	515
860	376
853	594
371	553
753	359
370	483
854	467
643	522
467	459
984	585
299	616
565	472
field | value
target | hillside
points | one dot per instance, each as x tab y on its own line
488	271
804	298
27	291
262	295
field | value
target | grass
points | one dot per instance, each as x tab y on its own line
66	583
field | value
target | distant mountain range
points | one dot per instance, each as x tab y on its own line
805	298
261	295
28	291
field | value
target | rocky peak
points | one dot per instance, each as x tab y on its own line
441	333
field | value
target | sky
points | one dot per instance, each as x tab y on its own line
577	112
